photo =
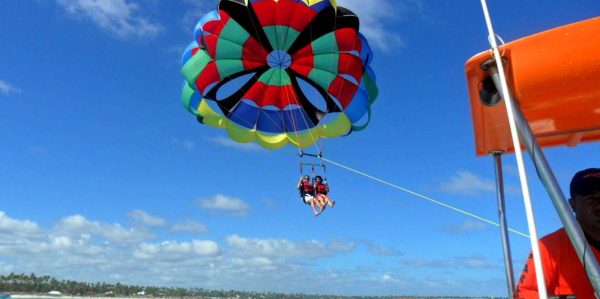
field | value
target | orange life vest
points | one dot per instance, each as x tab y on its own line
307	188
564	273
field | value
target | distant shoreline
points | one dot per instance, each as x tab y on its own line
45	296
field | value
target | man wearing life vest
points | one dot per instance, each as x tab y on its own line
307	192
563	271
321	191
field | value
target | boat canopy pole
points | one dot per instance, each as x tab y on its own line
510	283
535	248
553	188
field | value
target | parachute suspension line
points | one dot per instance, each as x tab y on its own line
313	164
313	138
324	171
518	154
240	86
321	164
283	41
289	90
257	115
306	123
422	196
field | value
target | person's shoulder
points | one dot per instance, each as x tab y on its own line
557	237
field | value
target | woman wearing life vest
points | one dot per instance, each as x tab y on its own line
307	192
321	191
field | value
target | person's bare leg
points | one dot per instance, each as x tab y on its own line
330	202
312	205
322	202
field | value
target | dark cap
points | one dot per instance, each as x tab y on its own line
586	182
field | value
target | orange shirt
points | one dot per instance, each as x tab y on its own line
564	273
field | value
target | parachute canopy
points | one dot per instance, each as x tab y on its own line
279	71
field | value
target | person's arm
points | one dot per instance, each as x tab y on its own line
299	182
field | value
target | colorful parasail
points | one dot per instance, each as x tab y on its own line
279	71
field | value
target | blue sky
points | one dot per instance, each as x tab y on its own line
104	176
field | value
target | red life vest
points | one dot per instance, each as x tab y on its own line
307	188
321	189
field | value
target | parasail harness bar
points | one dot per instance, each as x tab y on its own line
312	164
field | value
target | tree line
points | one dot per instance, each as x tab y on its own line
34	284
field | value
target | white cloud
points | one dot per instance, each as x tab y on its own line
61	242
77	225
189	226
253	262
24	237
467	183
225	204
428	263
146	219
241	263
117	16
376	17
185	143
226	142
10	226
382	250
473	261
76	242
173	250
465	227
285	248
196	11
6	88
271	204
36	150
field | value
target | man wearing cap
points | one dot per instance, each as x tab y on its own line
563	271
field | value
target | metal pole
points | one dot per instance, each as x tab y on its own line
553	188
503	224
535	246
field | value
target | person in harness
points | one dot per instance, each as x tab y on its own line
307	192
321	190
